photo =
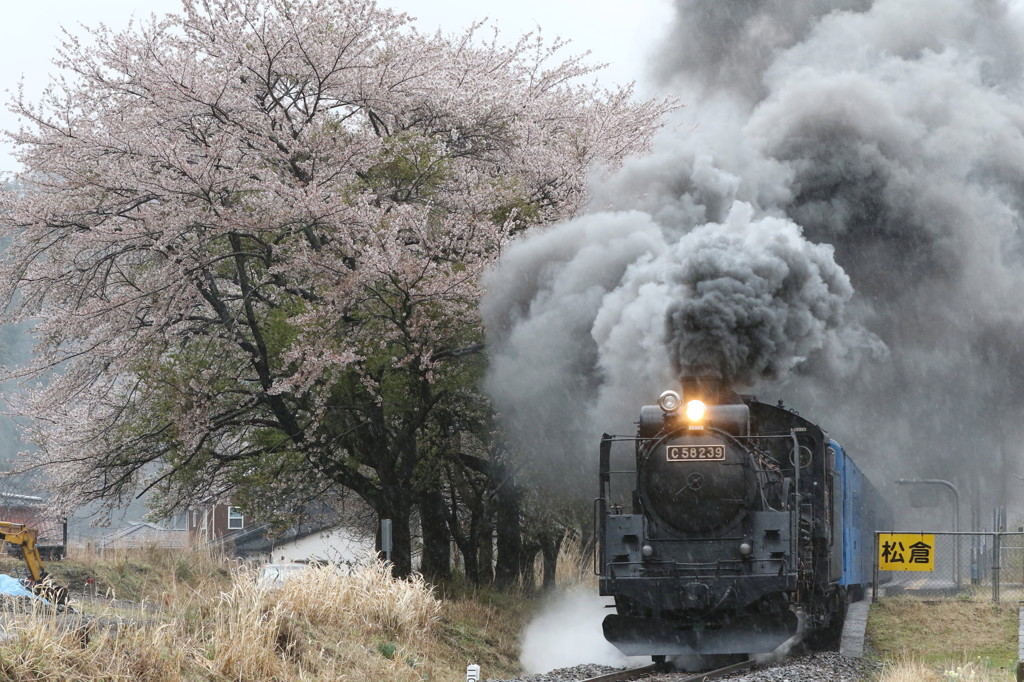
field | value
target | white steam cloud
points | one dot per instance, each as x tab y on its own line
568	633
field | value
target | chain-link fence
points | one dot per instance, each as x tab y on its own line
947	564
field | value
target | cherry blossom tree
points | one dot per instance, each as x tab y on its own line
250	240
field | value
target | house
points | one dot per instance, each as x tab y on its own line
209	523
323	535
326	541
198	527
32	511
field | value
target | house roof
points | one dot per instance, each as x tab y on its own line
260	539
250	540
142	534
33	499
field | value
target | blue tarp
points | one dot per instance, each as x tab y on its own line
13	587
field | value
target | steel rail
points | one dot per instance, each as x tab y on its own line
629	675
715	674
640	673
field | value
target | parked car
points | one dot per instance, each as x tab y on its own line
274	575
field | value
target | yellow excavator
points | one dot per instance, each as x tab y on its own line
39	581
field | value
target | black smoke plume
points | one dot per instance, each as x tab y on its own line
834	218
749	301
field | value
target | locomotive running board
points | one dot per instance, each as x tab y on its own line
635	636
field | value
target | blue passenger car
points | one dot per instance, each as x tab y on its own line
864	511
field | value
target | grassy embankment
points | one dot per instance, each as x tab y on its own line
191	616
919	640
176	616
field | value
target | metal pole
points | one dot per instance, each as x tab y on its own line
874	566
794	519
956	514
386	542
996	549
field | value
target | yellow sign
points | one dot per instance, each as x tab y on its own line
906	552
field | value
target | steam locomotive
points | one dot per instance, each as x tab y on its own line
742	528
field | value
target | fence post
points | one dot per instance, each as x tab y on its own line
874	566
996	550
1020	642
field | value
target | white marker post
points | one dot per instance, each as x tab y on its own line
473	673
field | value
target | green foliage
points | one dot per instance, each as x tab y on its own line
409	167
521	211
278	329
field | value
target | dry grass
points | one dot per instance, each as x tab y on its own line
142	575
162	616
322	625
485	627
909	670
954	639
575	564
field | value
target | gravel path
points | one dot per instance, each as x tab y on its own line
574	674
826	666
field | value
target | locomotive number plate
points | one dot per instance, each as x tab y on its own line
695	453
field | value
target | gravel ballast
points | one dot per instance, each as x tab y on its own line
825	666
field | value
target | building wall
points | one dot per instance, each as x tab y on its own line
209	522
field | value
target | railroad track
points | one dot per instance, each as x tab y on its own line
628	675
646	671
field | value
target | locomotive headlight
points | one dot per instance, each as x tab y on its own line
647	551
695	410
669	402
745	548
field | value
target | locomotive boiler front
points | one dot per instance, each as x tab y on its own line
696	482
693	476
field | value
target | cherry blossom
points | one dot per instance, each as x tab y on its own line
230	213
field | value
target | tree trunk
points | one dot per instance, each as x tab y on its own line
437	554
469	554
508	527
550	543
485	550
526	569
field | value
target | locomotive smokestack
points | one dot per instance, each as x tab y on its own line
705	387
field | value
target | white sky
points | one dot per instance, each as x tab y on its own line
616	33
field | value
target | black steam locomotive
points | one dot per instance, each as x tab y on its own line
743	527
